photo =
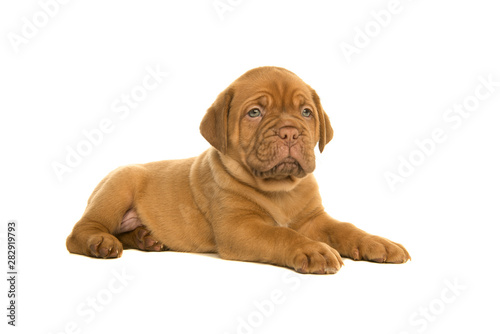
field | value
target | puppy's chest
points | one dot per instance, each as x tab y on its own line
284	212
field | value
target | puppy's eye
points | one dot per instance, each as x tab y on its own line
306	112
254	113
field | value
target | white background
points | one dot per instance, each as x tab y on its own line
394	91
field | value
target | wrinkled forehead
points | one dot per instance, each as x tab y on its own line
272	90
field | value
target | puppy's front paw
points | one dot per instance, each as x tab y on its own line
104	245
378	249
316	258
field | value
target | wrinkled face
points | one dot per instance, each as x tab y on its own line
277	126
271	121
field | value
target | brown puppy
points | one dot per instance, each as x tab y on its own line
251	197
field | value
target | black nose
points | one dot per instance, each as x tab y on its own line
289	134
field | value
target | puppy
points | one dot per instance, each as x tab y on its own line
250	197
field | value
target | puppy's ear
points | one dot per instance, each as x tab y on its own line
325	128
213	127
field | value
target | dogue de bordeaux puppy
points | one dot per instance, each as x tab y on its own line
250	197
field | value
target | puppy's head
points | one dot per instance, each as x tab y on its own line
269	121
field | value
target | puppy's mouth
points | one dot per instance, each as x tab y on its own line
285	168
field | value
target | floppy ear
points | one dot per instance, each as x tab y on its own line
213	127
325	128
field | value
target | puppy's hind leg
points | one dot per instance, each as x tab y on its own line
140	238
111	200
